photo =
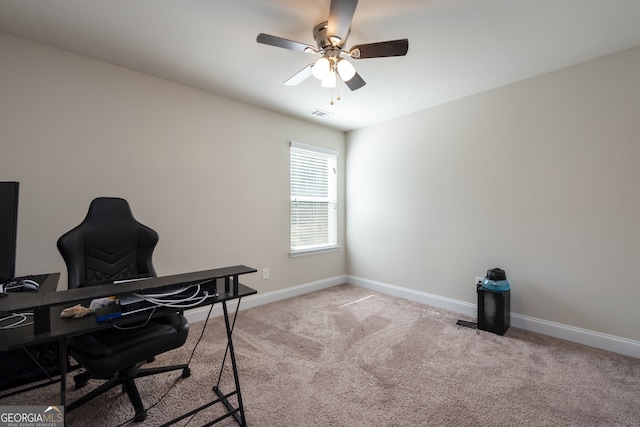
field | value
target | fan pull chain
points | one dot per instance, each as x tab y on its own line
338	94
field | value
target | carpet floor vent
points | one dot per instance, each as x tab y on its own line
467	324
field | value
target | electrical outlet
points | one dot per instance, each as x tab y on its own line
479	279
265	273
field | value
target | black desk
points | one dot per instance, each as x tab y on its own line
25	301
35	365
48	325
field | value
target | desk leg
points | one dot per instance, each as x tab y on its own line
238	413
63	371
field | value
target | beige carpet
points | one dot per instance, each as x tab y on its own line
348	356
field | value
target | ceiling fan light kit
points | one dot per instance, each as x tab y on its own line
330	37
325	67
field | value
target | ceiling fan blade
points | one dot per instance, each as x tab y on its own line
381	49
300	76
284	43
355	82
340	16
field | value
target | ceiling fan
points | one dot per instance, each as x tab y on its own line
330	37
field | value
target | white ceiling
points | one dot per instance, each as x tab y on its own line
456	47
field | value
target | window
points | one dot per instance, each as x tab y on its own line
314	194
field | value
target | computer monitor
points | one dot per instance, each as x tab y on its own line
8	228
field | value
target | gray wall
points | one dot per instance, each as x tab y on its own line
540	178
211	175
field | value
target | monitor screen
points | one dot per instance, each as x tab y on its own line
8	228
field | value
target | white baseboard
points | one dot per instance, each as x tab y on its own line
258	299
557	330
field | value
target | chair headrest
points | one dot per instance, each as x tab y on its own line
109	209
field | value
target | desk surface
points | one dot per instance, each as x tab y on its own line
16	301
19	301
66	327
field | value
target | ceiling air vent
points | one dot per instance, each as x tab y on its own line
321	113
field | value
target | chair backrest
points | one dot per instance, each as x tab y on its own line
109	244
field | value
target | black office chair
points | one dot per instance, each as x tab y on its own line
111	245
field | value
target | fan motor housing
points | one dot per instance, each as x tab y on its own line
322	40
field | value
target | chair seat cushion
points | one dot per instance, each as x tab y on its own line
107	352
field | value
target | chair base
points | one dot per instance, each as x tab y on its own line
126	379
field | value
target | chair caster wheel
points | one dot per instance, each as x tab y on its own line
186	373
141	415
81	380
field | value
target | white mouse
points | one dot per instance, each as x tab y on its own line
30	285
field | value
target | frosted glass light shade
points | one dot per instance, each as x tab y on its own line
329	80
321	68
346	70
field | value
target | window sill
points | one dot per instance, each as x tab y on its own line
305	252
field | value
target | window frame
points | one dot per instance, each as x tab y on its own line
332	201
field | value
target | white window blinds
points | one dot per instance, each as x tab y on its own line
314	189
